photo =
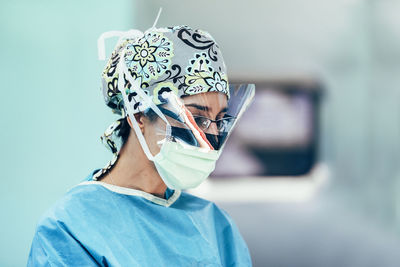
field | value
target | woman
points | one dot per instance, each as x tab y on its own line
177	111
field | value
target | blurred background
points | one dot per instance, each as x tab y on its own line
316	175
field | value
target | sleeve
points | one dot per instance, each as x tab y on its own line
232	247
53	245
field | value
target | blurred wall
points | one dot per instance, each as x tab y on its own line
52	111
350	46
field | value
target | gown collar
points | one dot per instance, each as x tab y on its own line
170	195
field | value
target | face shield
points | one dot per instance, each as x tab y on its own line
184	136
205	120
202	120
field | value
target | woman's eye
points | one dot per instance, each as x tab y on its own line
201	122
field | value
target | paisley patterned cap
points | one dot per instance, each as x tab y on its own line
177	59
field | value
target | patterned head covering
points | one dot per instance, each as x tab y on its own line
177	59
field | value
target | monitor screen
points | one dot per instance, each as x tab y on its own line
277	135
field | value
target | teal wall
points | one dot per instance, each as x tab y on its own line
52	112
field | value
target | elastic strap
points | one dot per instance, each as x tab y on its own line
156	20
101	49
135	83
130	113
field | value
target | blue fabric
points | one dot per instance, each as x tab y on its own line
94	226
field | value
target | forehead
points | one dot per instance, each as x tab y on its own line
212	100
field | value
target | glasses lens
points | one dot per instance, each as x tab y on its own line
202	122
223	124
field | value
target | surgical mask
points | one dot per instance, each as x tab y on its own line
184	168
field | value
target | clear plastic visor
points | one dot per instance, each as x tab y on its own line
202	120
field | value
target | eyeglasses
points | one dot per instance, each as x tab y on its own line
203	122
222	124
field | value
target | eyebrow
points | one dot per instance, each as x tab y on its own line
224	109
205	108
199	107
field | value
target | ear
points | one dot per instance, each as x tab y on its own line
139	119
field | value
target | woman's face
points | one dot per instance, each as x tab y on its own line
212	105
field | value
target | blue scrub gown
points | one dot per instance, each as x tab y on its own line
98	224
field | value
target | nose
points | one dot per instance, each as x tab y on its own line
212	129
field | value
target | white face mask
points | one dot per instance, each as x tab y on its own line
184	168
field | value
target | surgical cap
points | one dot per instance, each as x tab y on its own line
177	59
